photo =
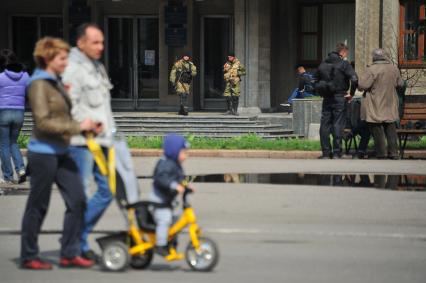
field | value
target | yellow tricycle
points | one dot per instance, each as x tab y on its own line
136	245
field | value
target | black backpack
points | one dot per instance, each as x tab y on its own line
354	113
325	86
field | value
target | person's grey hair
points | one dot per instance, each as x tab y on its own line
380	54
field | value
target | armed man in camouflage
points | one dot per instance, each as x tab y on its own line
233	71
181	76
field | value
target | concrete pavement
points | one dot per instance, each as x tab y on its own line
205	165
270	233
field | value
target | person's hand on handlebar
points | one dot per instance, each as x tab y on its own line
99	127
87	125
180	189
190	187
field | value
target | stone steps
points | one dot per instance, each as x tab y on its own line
223	136
213	125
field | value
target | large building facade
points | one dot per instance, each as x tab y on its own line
144	37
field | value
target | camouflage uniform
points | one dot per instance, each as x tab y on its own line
233	71
181	70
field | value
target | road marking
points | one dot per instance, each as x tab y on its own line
229	231
318	233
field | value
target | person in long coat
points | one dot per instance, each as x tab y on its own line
380	82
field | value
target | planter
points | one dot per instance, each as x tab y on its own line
305	112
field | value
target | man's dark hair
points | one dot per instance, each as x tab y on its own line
341	46
81	30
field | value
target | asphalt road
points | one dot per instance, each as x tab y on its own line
265	233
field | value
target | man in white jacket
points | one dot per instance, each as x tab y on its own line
89	89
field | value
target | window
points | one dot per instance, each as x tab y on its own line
26	30
309	34
322	26
412	33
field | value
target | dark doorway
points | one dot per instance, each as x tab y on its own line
217	41
132	60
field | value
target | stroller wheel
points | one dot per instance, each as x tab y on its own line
142	261
115	256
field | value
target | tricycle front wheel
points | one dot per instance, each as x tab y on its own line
206	258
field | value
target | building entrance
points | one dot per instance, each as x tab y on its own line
132	45
216	42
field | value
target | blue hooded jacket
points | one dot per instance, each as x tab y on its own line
172	146
168	173
40	74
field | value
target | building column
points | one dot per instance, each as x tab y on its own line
367	31
390	28
240	48
253	48
264	88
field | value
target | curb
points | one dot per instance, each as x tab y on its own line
271	154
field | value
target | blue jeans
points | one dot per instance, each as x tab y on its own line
11	121
98	203
297	94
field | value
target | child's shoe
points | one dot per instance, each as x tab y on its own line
162	250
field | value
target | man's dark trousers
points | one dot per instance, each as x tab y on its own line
364	132
381	133
333	120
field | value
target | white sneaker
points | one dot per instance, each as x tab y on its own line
285	105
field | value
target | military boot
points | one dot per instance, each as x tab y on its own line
228	106
185	111
235	105
181	110
183	104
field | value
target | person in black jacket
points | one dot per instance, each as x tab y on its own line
168	178
335	76
305	86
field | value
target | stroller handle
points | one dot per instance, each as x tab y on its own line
185	201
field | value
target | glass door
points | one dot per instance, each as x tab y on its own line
132	60
216	42
147	59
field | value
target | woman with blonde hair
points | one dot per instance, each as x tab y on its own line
49	160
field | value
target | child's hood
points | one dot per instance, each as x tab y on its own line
173	144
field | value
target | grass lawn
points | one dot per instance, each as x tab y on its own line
244	142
